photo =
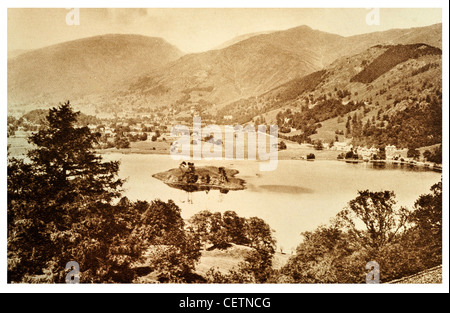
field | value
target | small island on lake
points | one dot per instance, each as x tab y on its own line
189	178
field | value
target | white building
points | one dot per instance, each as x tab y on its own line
342	146
392	152
367	153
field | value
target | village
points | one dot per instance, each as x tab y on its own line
153	133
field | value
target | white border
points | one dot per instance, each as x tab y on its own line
225	4
173	288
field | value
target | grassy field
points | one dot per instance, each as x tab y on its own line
297	151
18	145
225	260
142	147
221	260
326	133
294	150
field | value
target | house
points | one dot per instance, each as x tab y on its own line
367	153
393	153
108	132
390	149
342	146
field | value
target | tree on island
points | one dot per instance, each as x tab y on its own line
223	174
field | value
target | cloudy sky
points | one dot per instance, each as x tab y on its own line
196	30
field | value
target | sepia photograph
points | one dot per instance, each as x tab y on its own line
225	146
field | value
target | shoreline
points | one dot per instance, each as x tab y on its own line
411	164
293	152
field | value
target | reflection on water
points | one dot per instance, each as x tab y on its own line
394	166
284	189
195	187
298	196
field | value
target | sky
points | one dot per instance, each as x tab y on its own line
201	29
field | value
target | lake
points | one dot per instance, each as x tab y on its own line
298	196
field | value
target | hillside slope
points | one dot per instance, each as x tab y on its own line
87	66
239	39
246	68
117	73
384	95
257	64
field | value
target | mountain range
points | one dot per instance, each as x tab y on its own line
74	69
133	72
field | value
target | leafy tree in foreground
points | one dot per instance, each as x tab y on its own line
63	206
381	220
210	229
326	255
371	228
59	206
220	231
427	220
235	227
172	249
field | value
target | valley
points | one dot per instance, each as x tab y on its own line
195	146
377	90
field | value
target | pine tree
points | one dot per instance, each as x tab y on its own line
60	208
